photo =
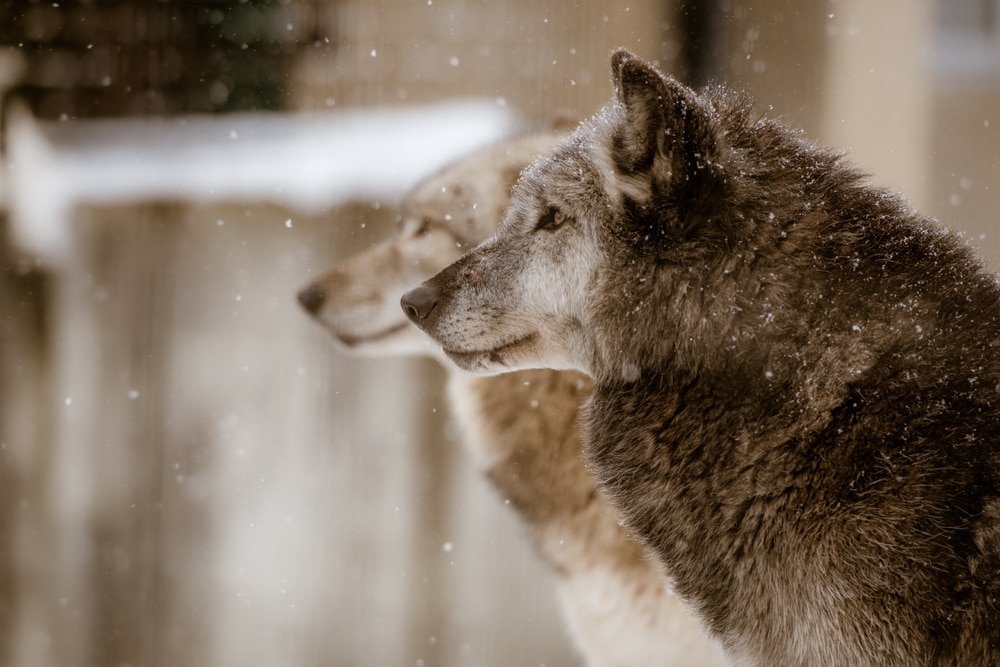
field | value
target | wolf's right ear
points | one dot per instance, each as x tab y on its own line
664	122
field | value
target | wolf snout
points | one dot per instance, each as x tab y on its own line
312	297
418	303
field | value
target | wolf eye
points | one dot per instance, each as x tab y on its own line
551	219
423	227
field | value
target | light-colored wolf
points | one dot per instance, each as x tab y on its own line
522	428
797	378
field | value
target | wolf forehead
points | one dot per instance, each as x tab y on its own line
590	172
568	179
565	167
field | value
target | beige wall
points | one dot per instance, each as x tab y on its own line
965	162
862	77
877	90
542	58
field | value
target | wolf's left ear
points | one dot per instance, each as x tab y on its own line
663	119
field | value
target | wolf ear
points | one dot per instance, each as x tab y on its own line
665	124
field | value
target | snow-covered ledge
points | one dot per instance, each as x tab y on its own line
307	162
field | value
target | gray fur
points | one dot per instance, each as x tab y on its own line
797	378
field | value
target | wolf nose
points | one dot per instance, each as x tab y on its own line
312	298
418	303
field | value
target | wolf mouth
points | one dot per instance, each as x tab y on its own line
465	358
354	341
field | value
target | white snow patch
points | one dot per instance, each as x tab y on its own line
307	162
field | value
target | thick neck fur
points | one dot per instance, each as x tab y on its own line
524	430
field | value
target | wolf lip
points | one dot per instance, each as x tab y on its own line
354	341
465	357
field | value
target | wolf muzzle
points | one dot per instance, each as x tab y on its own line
312	297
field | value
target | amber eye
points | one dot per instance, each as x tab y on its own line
551	219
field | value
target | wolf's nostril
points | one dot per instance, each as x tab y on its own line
312	298
418	303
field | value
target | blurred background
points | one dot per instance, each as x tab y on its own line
190	473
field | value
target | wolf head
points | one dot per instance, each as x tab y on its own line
440	219
639	221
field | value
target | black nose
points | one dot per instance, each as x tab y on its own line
418	303
312	298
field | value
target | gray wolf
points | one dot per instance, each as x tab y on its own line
796	397
522	428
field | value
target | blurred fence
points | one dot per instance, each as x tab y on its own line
190	474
